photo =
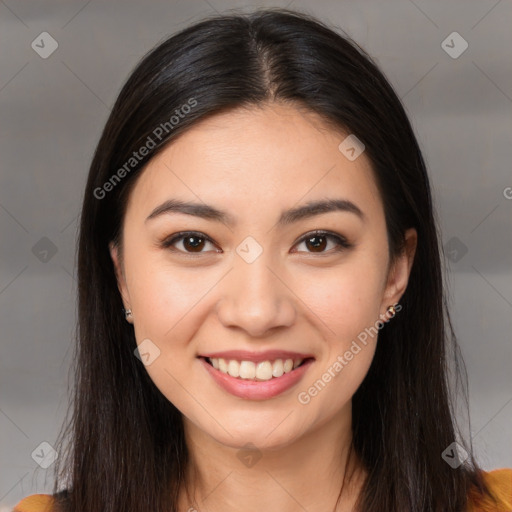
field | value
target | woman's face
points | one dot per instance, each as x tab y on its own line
256	279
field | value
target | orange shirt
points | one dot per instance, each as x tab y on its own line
500	483
499	480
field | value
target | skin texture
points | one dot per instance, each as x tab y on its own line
255	163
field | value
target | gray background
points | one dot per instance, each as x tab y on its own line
52	112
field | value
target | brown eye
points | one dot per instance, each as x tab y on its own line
194	243
191	242
317	242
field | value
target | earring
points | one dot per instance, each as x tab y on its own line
127	313
392	310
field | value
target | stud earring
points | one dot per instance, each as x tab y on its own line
127	313
392	310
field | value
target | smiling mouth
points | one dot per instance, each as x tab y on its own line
260	371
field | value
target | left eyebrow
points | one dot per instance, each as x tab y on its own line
286	218
317	208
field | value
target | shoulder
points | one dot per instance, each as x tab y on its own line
36	503
499	482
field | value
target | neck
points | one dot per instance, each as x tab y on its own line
306	474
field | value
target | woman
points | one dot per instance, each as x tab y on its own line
261	314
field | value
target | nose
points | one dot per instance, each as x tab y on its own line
253	297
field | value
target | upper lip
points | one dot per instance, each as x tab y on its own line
267	355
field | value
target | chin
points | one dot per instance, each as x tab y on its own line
269	434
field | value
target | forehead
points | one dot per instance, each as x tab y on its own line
256	159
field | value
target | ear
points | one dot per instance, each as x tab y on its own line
121	281
398	275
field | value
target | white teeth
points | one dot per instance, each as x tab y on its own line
223	366
234	368
264	370
277	369
247	370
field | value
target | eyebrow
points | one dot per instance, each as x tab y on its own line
287	217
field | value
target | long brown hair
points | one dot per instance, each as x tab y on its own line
123	448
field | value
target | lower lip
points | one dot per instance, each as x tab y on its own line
257	390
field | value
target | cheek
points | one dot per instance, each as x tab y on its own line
169	309
347	304
346	300
164	297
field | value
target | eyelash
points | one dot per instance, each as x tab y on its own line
340	240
